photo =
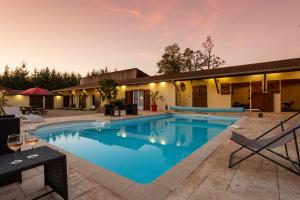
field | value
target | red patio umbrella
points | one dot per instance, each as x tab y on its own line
36	91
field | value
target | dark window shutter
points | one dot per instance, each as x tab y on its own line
200	96
273	87
146	99
225	89
256	87
128	97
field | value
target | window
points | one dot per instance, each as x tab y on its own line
93	100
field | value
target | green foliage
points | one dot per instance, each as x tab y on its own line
108	89
154	97
210	60
98	72
3	102
20	78
118	102
173	61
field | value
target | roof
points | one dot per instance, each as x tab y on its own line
36	91
238	70
79	87
126	74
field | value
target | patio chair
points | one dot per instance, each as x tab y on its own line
257	145
16	111
8	126
131	109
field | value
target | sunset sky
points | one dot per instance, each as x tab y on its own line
78	35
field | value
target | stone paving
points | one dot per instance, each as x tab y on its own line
255	178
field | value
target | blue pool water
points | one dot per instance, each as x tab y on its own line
140	149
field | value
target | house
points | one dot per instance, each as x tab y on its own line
270	86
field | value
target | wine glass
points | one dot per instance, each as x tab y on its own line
14	142
31	140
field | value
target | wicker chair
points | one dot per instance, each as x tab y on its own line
131	109
9	125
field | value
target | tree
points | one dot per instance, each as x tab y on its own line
99	72
20	78
3	102
6	78
210	60
171	61
108	89
192	60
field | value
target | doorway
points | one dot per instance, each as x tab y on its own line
240	95
264	102
66	102
82	101
36	101
49	102
200	96
290	98
138	98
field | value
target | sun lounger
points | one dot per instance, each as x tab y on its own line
16	111
257	145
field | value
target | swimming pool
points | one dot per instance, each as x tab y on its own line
141	149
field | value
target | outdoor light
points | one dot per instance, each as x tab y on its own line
152	140
163	142
182	86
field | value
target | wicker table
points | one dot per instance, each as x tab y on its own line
55	168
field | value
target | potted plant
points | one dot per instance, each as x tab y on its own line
154	98
108	92
3	102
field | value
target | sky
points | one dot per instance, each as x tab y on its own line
79	35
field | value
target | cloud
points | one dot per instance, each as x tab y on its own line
131	12
147	55
150	20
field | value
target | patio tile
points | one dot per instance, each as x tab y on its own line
253	189
30	173
33	184
11	191
81	188
173	178
289	195
84	167
194	180
288	181
146	192
111	180
180	193
216	182
205	192
99	193
73	180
